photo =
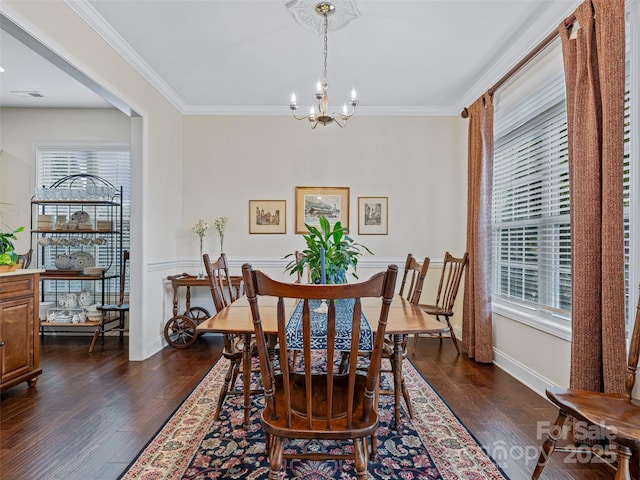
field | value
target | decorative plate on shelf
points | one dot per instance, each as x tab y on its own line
82	260
80	216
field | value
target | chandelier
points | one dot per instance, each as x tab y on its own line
325	9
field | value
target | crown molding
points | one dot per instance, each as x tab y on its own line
544	24
89	14
283	110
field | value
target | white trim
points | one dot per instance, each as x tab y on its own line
533	318
193	263
283	110
634	158
521	372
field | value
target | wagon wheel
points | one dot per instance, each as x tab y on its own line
180	331
198	314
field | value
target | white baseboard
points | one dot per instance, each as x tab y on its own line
522	373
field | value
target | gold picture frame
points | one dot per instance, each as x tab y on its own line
313	202
267	216
373	215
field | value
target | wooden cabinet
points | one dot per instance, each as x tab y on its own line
19	341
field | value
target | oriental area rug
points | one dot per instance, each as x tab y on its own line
191	445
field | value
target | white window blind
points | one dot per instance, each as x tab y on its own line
531	234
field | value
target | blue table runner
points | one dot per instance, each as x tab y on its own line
344	313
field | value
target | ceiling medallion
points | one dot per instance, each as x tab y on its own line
304	13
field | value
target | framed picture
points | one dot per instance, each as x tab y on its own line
314	202
373	216
267	216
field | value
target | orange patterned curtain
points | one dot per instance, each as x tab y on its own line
594	70
476	321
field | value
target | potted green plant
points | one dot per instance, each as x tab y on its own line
339	251
8	256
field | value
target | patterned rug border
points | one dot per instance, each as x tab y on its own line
469	432
203	419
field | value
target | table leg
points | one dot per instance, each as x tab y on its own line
175	298
246	376
188	300
397	376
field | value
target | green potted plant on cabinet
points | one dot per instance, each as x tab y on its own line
8	256
331	247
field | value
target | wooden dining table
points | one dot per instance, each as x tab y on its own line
404	319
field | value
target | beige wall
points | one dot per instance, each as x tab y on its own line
419	163
24	129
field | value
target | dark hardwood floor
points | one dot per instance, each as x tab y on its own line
90	414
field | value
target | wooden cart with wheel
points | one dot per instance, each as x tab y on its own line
180	330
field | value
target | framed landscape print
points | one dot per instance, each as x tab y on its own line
314	202
267	216
373	216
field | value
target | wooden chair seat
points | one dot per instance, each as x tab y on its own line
275	425
602	409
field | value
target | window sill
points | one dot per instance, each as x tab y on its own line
533	318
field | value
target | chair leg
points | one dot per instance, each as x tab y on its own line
407	399
231	373
549	445
121	325
360	457
415	342
275	457
96	333
453	336
374	447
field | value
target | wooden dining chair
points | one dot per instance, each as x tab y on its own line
411	289
120	309
299	256
24	260
618	416
223	294
452	271
316	402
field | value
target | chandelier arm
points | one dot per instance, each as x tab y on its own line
303	117
340	124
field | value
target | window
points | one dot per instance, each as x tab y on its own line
531	232
111	163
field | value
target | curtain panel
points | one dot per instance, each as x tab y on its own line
594	63
476	321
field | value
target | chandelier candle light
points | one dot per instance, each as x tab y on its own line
325	9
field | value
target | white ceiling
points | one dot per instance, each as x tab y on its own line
245	57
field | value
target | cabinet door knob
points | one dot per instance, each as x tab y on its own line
1	344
